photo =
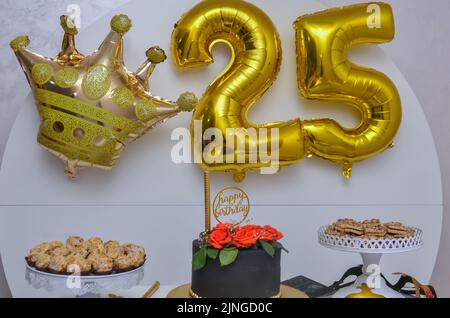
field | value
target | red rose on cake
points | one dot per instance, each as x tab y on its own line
231	239
269	233
247	236
224	235
220	236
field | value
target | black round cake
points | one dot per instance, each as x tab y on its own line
254	274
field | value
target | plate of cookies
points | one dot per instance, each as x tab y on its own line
371	236
91	258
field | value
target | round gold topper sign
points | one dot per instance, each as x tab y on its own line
231	205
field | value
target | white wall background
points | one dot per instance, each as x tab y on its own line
420	50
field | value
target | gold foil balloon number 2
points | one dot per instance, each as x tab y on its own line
324	73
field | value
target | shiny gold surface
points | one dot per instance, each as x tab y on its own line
207	194
235	202
184	291
91	107
254	65
366	292
194	295
152	290
325	74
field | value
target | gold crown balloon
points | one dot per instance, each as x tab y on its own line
91	107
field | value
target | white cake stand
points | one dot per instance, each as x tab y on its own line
371	252
64	286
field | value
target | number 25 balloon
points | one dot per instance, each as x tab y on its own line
324	73
91	106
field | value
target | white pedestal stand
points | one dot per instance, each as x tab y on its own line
83	286
371	252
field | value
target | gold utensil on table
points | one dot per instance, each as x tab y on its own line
148	294
152	290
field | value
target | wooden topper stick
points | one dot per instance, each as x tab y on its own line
207	184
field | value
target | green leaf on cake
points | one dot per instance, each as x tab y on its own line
268	247
280	246
199	259
212	253
227	256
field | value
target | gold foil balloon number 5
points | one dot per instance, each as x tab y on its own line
325	74
255	63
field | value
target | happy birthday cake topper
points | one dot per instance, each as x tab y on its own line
231	205
91	106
